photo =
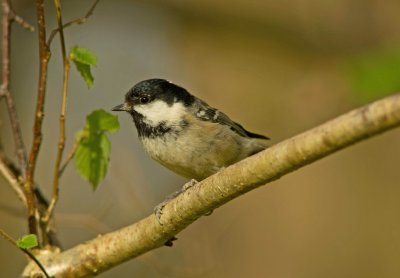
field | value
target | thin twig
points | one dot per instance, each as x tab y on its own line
77	21
70	156
7	19
44	55
23	23
27	252
61	140
48	229
12	179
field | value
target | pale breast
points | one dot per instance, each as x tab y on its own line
198	151
199	148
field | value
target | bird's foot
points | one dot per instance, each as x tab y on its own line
158	210
170	242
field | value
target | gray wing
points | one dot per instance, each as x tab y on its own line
207	113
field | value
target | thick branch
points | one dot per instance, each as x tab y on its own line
111	249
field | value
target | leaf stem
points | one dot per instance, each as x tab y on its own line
70	156
27	252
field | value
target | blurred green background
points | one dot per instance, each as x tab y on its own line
279	68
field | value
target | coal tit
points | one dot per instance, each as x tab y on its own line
184	133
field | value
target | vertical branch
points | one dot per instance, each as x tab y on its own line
44	55
61	140
8	17
6	38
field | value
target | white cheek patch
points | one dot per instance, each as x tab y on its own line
158	111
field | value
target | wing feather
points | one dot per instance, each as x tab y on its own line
207	113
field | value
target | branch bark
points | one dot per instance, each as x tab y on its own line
111	249
44	55
8	17
61	138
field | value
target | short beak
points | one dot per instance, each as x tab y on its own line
120	107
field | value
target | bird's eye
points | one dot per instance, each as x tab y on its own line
144	100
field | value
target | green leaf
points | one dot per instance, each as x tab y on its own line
103	121
93	151
91	159
86	73
374	75
27	241
83	55
83	59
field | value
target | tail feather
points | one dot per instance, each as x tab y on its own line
251	134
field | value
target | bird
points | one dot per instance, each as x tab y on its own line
184	133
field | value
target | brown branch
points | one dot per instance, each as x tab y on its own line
22	22
61	140
77	21
48	230
8	16
106	251
44	55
